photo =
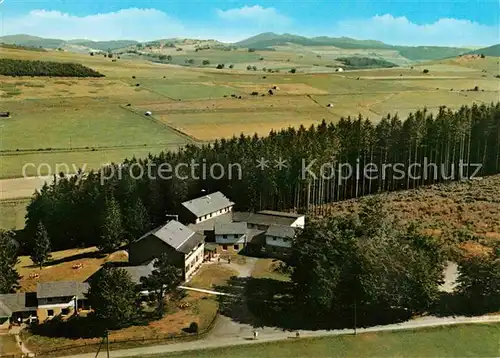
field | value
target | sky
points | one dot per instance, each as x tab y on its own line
396	22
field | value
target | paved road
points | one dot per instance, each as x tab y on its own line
277	335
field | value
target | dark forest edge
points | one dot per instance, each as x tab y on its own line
11	67
72	210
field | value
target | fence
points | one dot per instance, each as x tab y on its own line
123	343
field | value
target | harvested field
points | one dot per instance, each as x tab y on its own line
247	103
284	88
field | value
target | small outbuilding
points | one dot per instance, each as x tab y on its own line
148	113
5	114
329	105
340	69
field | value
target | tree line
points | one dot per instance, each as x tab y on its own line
371	261
365	62
101	211
11	67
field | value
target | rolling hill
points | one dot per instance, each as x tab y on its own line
269	39
35	41
261	41
487	51
413	53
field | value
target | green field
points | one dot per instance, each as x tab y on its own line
86	121
481	340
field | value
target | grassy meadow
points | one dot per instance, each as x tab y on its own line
479	340
90	122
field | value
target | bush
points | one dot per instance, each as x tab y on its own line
249	67
254	93
110	55
425	71
482	55
231	66
193	327
261	59
220	66
205	62
254	68
11	67
293	70
251	50
91	54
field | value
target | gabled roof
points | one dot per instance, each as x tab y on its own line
176	235
234	228
280	214
16	302
262	219
281	231
208	225
136	272
207	204
61	289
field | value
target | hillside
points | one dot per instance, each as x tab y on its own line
414	53
473	206
487	51
35	41
103	45
32	41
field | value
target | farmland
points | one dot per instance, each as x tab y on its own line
89	122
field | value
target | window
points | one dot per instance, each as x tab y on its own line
236	247
65	311
224	236
50	313
274	238
224	247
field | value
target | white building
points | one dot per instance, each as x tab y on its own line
207	207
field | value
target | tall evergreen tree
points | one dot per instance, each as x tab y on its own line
41	251
163	280
113	296
111	226
9	277
135	219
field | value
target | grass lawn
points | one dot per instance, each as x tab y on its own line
267	268
61	266
12	214
211	275
186	91
8	345
202	309
480	340
82	127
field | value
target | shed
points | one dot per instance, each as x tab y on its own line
148	113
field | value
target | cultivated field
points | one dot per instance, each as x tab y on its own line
90	122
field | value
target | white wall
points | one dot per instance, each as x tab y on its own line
300	222
214	214
281	242
230	239
43	303
196	258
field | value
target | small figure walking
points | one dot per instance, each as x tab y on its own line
228	260
255	334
